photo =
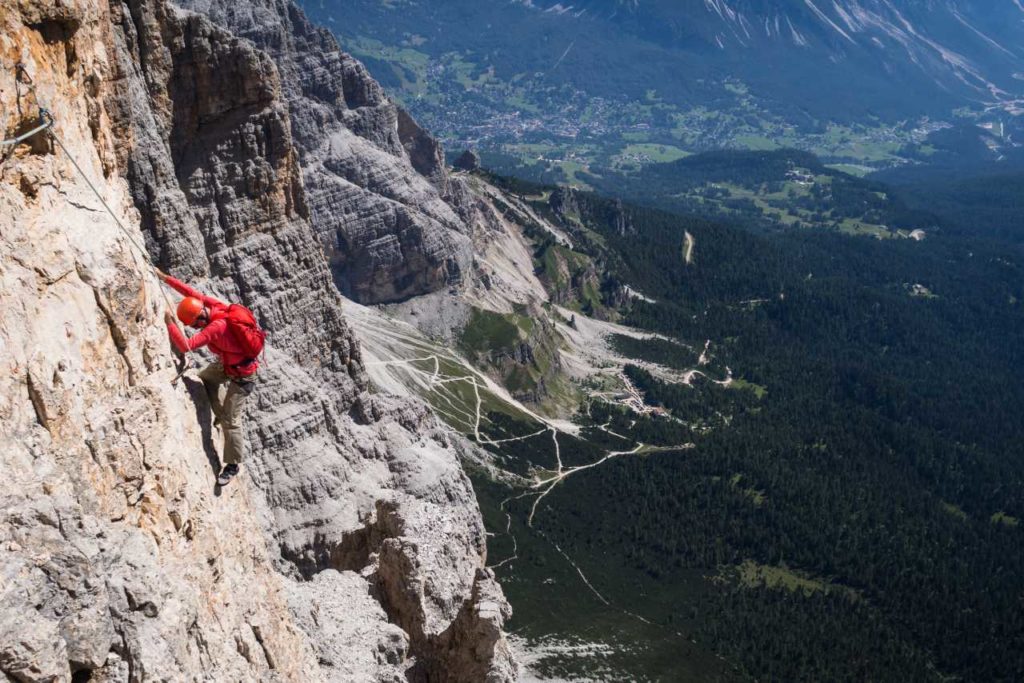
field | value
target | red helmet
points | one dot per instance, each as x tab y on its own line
189	309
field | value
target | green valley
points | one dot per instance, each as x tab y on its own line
757	480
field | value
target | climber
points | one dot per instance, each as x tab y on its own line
231	332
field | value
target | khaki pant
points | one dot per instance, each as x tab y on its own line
228	410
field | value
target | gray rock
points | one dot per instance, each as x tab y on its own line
116	556
339	606
388	233
322	475
425	153
563	202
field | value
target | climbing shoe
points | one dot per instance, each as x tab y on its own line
227	474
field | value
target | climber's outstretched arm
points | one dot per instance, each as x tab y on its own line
185	290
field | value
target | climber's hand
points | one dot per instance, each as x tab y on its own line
161	274
169	318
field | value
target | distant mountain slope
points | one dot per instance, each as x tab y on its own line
876	55
591	83
950	49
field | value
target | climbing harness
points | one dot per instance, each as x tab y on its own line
47	124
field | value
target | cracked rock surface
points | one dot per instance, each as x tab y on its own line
351	547
375	181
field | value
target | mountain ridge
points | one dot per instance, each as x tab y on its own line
564	85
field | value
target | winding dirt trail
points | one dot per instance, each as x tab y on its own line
393	356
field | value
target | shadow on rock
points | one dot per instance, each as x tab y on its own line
205	418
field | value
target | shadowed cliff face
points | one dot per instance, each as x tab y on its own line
351	548
388	233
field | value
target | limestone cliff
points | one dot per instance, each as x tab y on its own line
351	549
386	228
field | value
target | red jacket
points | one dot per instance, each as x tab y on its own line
215	335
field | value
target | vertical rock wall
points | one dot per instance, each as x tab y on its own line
351	548
116	558
388	233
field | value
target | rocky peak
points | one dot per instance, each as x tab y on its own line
468	161
563	202
374	180
623	226
425	153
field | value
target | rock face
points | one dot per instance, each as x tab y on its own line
564	203
468	161
351	548
425	153
385	227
